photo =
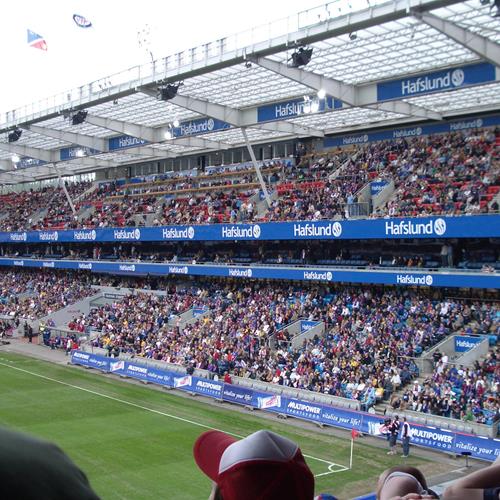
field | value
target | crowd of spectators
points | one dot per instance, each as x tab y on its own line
468	393
32	295
366	353
40	209
452	173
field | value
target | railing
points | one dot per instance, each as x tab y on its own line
157	70
448	423
244	382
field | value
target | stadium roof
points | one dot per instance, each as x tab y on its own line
357	52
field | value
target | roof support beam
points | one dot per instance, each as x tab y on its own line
483	47
153	135
38	153
127	128
349	94
6	165
147	151
73	138
52	156
238	119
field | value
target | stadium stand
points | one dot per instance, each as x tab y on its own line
366	354
468	393
455	173
32	295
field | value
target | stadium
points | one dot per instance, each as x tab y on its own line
293	229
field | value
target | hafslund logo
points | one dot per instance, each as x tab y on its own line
127	234
317	229
236	232
411	279
430	83
169	233
240	273
408	228
85	235
127	267
18	236
48	236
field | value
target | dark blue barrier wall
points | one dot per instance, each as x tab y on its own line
429	437
477	226
329	275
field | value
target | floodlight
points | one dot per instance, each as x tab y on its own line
168	92
15	135
79	117
301	57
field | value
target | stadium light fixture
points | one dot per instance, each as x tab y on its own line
168	135
301	57
168	91
321	93
79	117
15	135
16	158
176	123
80	153
496	4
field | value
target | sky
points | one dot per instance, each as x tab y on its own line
76	56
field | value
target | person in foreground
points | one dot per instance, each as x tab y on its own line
403	482
261	466
33	469
482	484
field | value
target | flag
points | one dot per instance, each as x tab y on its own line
81	21
36	41
354	434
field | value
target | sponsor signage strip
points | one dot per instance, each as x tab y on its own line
476	226
296	107
428	437
464	343
330	275
436	81
412	131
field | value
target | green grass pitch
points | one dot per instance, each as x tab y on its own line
136	443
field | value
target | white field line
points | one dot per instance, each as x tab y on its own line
340	468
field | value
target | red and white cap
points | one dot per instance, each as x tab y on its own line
264	465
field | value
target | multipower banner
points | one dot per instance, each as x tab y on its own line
477	226
400	277
429	437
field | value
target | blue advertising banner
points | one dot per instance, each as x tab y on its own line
429	437
206	387
75	152
330	275
341	418
199	126
306	325
377	186
268	402
124	142
160	377
464	343
480	447
412	131
295	107
476	226
26	162
303	409
237	394
436	81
